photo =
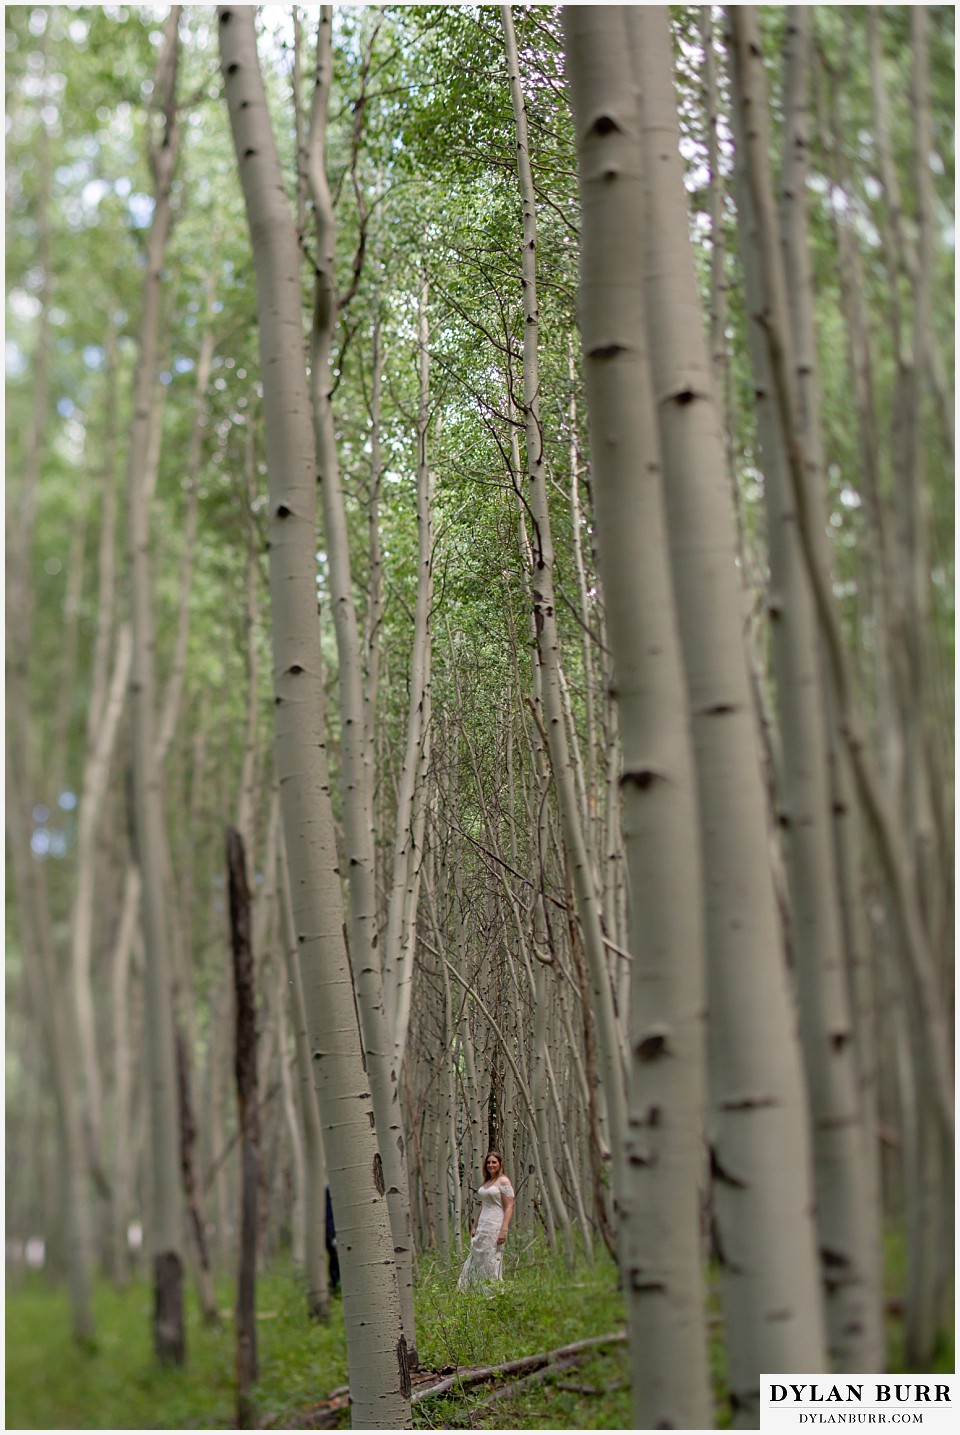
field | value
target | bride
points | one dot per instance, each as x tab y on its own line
489	1234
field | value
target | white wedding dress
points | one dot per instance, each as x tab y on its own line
485	1261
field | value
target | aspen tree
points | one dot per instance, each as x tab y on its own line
379	1035
849	1246
376	1348
929	1029
660	1210
167	1236
58	1032
759	1151
400	934
548	643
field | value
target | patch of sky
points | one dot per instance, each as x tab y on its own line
71	174
23	305
67	801
65	407
15	360
94	192
40	842
140	207
182	365
41	812
94	357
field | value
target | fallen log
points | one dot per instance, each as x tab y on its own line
477	1374
542	1366
506	1392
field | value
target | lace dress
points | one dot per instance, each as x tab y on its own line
485	1261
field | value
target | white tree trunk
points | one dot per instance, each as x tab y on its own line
376	1348
660	1199
548	642
762	1194
357	774
166	1209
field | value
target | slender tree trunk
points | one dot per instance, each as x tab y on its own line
548	644
928	1024
356	773
401	916
168	1321
376	1348
95	779
124	1010
849	1249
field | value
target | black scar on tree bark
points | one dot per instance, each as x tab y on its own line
245	1068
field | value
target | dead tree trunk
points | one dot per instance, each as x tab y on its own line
245	1068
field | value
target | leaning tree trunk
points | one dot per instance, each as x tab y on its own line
759	1153
376	1348
660	1210
168	1319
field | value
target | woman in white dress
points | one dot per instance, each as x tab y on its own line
489	1234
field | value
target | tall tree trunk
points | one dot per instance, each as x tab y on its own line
929	1028
168	1322
407	853
548	644
660	1210
849	1248
356	773
759	1151
376	1348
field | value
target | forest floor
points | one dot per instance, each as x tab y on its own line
542	1306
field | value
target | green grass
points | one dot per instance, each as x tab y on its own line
51	1385
540	1306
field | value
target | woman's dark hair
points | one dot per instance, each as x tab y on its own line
486	1163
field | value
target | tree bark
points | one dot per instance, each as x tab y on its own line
376	1348
660	1199
248	1116
930	1030
548	643
761	1200
168	1330
379	1034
